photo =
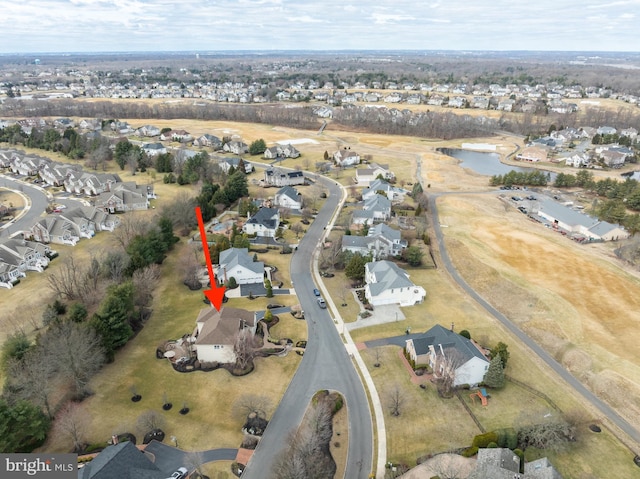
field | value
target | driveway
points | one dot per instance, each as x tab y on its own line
387	313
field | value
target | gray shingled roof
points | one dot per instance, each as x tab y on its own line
440	336
232	257
387	276
122	461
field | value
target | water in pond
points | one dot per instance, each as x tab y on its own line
482	163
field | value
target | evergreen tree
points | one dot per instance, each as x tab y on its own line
112	321
494	377
355	267
23	426
501	350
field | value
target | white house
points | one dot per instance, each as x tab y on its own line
276	177
381	242
216	333
264	222
388	284
375	209
288	197
365	176
237	263
391	192
225	164
154	149
346	157
442	350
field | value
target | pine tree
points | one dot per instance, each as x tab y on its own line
494	377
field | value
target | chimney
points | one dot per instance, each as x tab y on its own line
452	327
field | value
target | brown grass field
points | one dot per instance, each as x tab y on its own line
575	300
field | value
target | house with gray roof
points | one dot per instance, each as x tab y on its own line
376	208
381	242
376	186
127	196
264	222
277	177
576	222
502	463
389	284
123	460
154	149
443	350
238	263
209	140
288	197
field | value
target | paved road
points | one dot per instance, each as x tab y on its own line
604	408
325	365
39	202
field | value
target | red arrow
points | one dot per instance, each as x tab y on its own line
215	294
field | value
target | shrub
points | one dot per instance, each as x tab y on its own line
232	283
483	440
492	445
469	452
465	334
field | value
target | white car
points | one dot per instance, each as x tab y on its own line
181	473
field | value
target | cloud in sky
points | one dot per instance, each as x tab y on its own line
209	25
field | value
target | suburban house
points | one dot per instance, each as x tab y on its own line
19	256
236	147
573	221
281	151
148	130
92	124
55	174
288	197
365	176
208	140
441	349
533	154
225	164
377	186
123	197
27	165
122	460
498	463
346	157
381	242
71	225
389	284
375	209
216	333
577	160
154	149
93	184
276	177
264	222
238	264
181	136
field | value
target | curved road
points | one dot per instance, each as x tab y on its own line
39	202
325	365
604	408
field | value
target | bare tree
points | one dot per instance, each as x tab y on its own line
67	281
446	370
99	156
150	420
344	292
297	228
33	378
144	282
447	466
252	404
77	353
395	400
182	212
243	348
131	225
72	422
195	461
115	264
190	265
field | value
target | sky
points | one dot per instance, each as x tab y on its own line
29	26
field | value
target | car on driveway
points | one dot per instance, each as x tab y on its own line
181	473
321	303
316	291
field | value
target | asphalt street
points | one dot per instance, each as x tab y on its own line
325	365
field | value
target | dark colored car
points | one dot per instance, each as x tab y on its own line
316	292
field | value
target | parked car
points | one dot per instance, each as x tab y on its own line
321	303
316	292
181	473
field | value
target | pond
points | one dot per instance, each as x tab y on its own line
480	162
